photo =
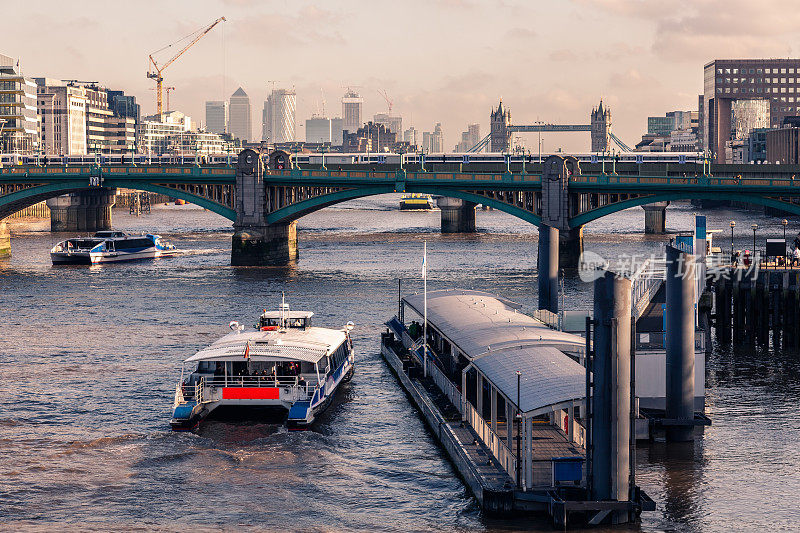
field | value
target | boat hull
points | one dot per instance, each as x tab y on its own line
93	258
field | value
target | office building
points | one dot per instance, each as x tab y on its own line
352	104
674	120
410	136
217	116
469	138
777	81
372	138
278	116
318	130
19	126
62	112
394	124
337	127
173	132
239	119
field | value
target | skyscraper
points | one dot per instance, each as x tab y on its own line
217	116
318	130
352	104
392	123
239	121
278	116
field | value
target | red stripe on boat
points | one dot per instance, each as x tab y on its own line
250	393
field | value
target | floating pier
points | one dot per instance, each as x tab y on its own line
505	397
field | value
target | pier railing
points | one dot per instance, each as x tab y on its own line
446	386
492	440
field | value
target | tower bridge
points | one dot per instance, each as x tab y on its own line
599	126
264	197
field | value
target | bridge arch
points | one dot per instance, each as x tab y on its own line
305	207
609	209
19	200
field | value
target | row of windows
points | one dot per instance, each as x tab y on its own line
338	357
756	71
756	90
756	80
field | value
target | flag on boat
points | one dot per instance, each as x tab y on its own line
247	350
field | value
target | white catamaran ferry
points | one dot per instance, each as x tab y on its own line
285	365
110	246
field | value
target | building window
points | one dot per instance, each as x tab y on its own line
783	71
736	89
719	89
719	80
751	71
727	89
783	80
719	71
727	80
758	71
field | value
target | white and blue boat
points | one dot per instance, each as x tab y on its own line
110	246
284	367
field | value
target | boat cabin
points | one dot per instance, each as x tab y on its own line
285	319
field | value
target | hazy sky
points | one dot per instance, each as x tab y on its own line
444	61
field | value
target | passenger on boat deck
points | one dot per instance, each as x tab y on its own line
219	370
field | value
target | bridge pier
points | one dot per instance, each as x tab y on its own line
655	218
570	248
255	241
547	262
5	240
679	343
458	216
88	210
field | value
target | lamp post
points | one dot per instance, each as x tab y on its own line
784	223
754	228
733	225
518	419
540	124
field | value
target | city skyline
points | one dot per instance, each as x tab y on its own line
627	52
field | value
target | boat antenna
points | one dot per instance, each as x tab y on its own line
283	309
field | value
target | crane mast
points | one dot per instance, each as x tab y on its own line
155	73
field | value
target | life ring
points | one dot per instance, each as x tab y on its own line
269	328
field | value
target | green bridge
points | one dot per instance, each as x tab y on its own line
265	196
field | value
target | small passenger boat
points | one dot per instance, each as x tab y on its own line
110	246
284	365
416	202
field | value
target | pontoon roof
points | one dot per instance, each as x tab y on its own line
499	341
308	345
476	320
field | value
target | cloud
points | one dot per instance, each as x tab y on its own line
521	34
310	26
700	30
563	55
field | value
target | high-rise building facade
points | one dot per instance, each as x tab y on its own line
392	123
437	139
352	105
776	81
318	130
469	138
217	116
279	116
337	127
19	129
240	121
62	111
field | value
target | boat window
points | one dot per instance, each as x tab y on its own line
206	367
307	368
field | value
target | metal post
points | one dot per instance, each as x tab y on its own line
611	401
733	225
548	268
679	342
754	227
518	419
784	222
399	299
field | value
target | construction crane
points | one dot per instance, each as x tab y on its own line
389	102
168	89
155	72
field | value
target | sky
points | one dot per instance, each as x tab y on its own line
447	61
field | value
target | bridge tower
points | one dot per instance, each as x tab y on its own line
255	242
601	128
500	120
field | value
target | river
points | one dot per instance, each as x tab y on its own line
89	358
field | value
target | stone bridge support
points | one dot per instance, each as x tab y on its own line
458	216
556	171
655	217
5	240
255	242
88	210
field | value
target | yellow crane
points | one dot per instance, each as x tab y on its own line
155	72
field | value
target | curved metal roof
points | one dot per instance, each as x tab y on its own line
475	321
499	341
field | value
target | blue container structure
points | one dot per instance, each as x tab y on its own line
567	470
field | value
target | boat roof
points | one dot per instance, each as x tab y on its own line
294	344
476	321
287	314
499	340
